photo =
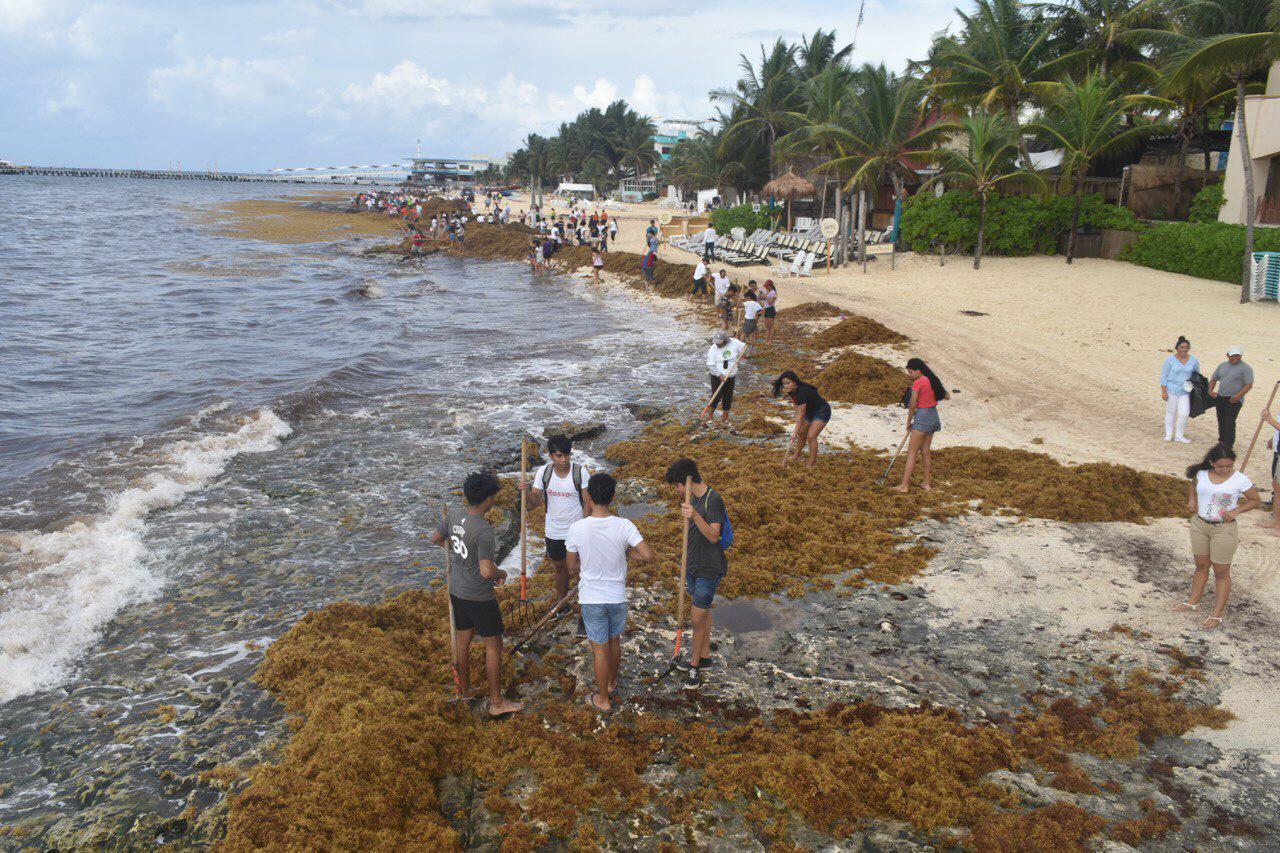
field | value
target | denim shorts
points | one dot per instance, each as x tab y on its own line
701	590
822	413
604	621
927	420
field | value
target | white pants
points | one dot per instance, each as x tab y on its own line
1176	410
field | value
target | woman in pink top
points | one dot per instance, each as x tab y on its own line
769	299
922	422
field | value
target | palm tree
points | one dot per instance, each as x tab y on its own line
1088	120
1193	101
829	98
1239	40
764	98
1001	60
636	146
1112	31
818	51
696	164
988	161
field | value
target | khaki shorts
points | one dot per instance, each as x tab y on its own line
1216	541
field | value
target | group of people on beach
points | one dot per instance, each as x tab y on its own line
588	548
1219	492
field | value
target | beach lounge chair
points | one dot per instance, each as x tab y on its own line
798	262
806	268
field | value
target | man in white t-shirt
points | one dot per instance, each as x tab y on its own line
723	358
709	245
598	548
700	279
562	485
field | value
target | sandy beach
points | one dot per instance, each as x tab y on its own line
1064	359
986	601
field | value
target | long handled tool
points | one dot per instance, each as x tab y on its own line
684	565
448	579
534	632
524	535
1261	421
893	459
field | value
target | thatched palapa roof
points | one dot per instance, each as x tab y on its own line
789	186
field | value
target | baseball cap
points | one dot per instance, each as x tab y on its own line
1235	350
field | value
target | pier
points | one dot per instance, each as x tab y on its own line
151	174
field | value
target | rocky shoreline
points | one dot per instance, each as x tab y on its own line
861	700
1004	734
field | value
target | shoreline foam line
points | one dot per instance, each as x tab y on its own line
89	571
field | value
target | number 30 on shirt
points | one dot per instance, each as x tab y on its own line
459	547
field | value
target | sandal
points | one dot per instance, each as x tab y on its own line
1185	606
1216	620
591	703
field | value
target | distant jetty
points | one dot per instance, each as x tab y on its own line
160	175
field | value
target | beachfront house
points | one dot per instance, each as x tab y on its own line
1262	121
446	171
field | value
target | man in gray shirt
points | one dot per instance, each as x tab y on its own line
472	576
1231	380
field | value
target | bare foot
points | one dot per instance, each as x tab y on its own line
899	489
466	695
504	707
927	487
1184	606
1211	623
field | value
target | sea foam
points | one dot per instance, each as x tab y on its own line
82	575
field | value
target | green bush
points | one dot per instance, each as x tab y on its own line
1213	250
1016	225
1206	204
741	216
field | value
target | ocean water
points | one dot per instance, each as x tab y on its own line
203	437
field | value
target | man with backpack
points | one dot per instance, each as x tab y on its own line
710	533
562	485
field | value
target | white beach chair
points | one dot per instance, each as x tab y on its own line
797	263
807	267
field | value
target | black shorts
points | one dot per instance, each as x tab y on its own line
482	616
556	550
725	400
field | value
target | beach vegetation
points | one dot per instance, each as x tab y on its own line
1017	225
1202	249
1207	204
987	163
741	216
1089	120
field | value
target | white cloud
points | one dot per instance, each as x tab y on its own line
19	16
197	84
409	88
601	95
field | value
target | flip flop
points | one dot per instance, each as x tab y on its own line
591	703
1216	620
1185	607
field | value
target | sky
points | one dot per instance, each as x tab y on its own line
248	86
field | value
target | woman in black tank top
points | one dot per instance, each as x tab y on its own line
812	414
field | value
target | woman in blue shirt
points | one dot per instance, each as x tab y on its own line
1175	390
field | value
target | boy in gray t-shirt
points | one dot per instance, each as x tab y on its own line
473	573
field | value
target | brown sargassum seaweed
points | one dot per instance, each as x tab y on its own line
376	749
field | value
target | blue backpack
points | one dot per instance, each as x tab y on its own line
726	530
